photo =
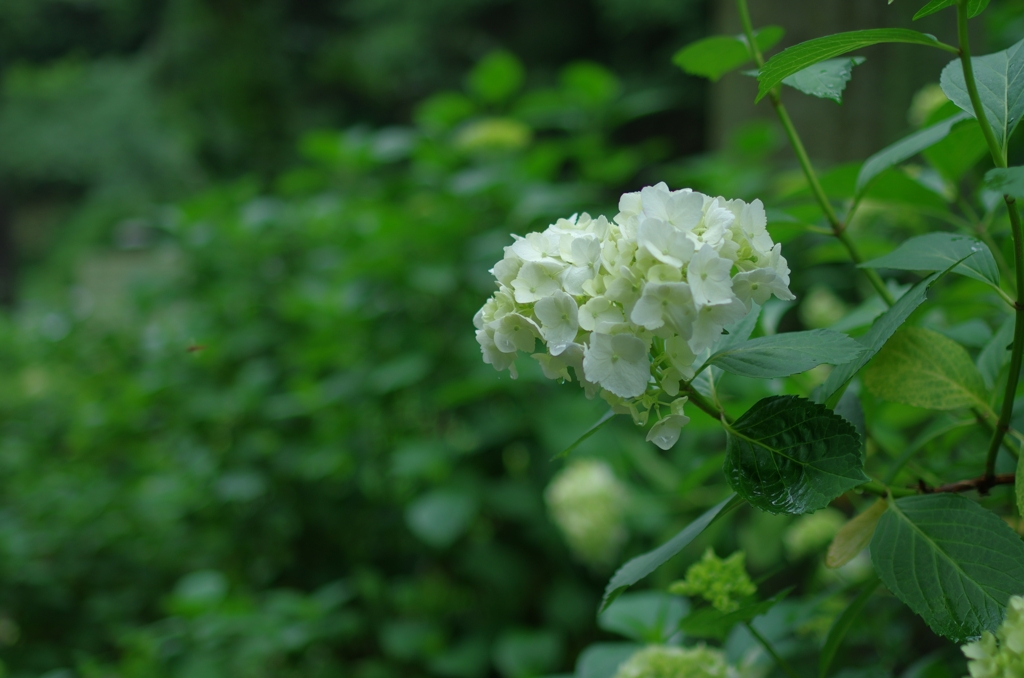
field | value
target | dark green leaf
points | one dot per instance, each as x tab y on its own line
715	56
1008	181
708	622
950	560
1000	79
842	625
875	338
790	455
939	251
496	77
905	148
781	355
641	566
825	79
799	57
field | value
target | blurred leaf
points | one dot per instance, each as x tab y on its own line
594	84
1008	181
996	354
523	653
789	455
440	517
602	660
798	57
961	150
646	617
641	566
843	624
496	77
950	560
825	79
715	56
855	535
939	251
1000	79
781	355
923	368
904	149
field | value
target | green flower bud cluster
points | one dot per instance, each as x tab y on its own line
588	504
1005	658
659	661
723	583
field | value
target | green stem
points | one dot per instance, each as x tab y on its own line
998	153
883	490
999	158
838	227
782	663
698	399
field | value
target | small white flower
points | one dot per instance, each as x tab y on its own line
515	332
664	242
708	275
600	315
663	303
618	363
536	280
558	316
710	321
665	432
754	286
717	220
506	270
492	356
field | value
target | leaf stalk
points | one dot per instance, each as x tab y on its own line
782	663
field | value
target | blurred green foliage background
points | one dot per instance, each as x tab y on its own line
244	427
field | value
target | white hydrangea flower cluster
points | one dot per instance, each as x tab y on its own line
1005	658
588	504
633	304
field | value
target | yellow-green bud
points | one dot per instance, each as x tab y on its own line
723	583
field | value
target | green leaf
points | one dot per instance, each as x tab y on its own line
905	148
715	56
1008	181
995	354
1000	79
950	560
799	57
875	338
646	617
825	79
939	251
974	7
641	566
842	624
923	368
781	355
959	151
708	622
790	455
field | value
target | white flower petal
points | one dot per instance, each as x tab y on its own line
619	363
